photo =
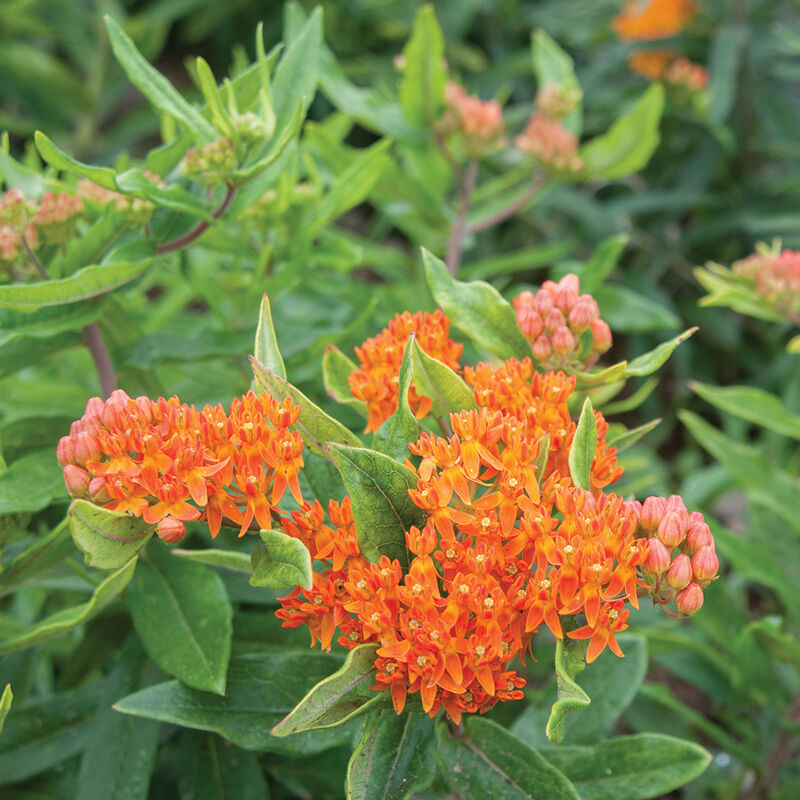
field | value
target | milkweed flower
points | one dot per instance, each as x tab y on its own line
775	275
550	143
480	122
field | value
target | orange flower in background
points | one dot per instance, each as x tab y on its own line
375	381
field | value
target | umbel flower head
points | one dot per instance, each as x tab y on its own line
480	122
775	275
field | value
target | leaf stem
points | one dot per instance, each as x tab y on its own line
200	228
456	241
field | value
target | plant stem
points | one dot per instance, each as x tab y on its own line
504	213
200	228
456	241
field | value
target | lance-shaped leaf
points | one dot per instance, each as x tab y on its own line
477	309
315	425
395	758
227	559
5	704
280	561
56	157
601	377
69	618
336	367
265	348
602	262
648	363
422	86
584	444
183	617
630	767
383	511
553	67
338	698
107	539
402	427
488	761
627	438
216	108
436	380
154	86
569	662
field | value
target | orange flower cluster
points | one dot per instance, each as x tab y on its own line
549	142
776	277
682	72
168	463
555	318
375	381
480	122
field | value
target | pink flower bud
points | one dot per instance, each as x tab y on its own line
580	318
588	300
705	564
65	452
97	490
690	600
634	507
566	300
530	324
94	407
698	535
570	283
87	448
170	530
145	406
653	510
563	340
552	288
542	348
76	480
524	299
679	573
120	396
554	319
658	557
602	335
112	414
675	503
671	529
544	302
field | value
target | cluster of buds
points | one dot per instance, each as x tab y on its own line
554	321
480	122
557	101
212	164
56	217
375	382
168	463
16	214
137	210
682	558
250	128
684	73
775	275
547	140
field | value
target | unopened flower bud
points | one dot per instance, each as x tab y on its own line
87	448
544	302
653	510
634	507
705	564
566	300
658	557
563	340
552	288
602	335
530	324
690	600
524	299
570	283
679	573
542	348
698	536
76	480
553	320
97	490
671	529
94	407
581	316
65	452
170	530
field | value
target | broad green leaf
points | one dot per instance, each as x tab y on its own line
753	404
47	322
5	704
488	761
421	88
227	559
627	438
56	157
628	144
87	282
436	380
69	618
553	67
602	262
627	311
477	309
173	196
338	698
265	348
280	561
569	662
630	767
154	86
402	427
582	449
183	617
31	483
209	768
336	367
18	176
262	689
120	751
316	426
395	758
107	539
44	553
383	511
648	363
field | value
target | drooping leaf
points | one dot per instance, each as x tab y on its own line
56	157
280	561
553	67
436	380
265	348
183	617
601	377
107	539
488	761
227	559
382	509
569	662
627	438
336	367
421	88
648	363
338	698
395	758
582	449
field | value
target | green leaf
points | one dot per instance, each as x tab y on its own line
553	66
45	552
601	377
262	689
208	85
421	88
436	380
627	145
107	539
5	704
648	363
626	438
154	86
87	282
569	662
630	767
281	562
602	262
266	349
69	618
793	346
336	367
315	425
31	483
487	761
477	309
338	698
728	47
395	758
227	559
753	404
732	291
627	311
402	427
175	197
183	617
56	157
582	449
91	246
383	511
